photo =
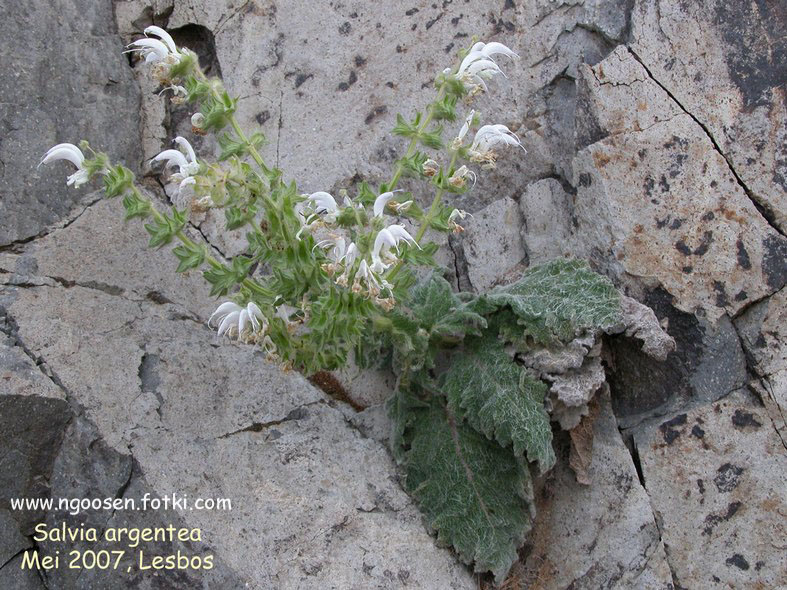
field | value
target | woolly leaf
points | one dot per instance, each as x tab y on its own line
400	408
554	302
439	311
474	493
500	399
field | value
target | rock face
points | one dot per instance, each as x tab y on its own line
715	476
161	409
655	132
723	63
608	528
63	79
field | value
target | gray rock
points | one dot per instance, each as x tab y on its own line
70	256
707	364
715	476
722	63
310	497
13	576
598	536
546	210
491	244
656	199
34	415
763	331
59	84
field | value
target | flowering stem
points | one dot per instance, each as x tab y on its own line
252	150
248	282
429	215
234	122
414	141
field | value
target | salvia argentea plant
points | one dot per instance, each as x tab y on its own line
327	275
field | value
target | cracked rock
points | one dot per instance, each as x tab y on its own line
723	61
62	87
657	200
607	528
715	477
491	244
763	331
312	500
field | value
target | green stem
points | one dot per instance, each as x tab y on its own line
248	282
414	141
428	219
234	122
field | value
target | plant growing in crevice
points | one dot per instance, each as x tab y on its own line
323	277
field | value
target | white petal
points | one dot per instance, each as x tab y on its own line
173	158
381	201
243	319
495	48
189	180
184	143
224	309
383	242
469	59
466	126
324	202
150	45
378	265
78	178
484	67
64	151
228	322
480	82
255	315
163	35
351	255
400	234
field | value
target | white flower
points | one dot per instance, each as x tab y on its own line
367	274
457	180
479	65
70	152
381	201
430	168
351	255
336	246
386	239
179	93
402	207
244	323
161	50
324	204
466	127
187	167
489	137
452	220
